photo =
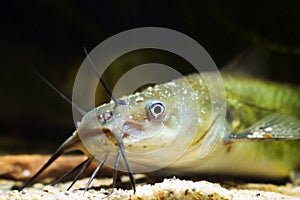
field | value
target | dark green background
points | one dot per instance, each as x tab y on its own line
49	36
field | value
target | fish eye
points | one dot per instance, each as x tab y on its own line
155	108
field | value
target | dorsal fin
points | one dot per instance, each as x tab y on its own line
252	62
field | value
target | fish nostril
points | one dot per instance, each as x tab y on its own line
105	117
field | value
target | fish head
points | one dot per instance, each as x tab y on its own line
155	126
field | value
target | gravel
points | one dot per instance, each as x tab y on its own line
168	189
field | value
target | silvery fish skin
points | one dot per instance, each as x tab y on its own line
172	126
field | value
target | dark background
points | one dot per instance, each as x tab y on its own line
49	36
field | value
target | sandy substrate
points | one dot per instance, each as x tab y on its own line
15	169
168	189
22	167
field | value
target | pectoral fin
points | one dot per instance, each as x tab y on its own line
276	126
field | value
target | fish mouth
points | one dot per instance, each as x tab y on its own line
131	128
95	134
128	129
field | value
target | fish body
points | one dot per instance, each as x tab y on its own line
178	128
249	100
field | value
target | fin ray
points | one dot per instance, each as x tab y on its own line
276	126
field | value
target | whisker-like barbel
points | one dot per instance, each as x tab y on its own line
116	169
60	93
74	143
71	172
116	136
83	169
100	165
67	146
105	86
